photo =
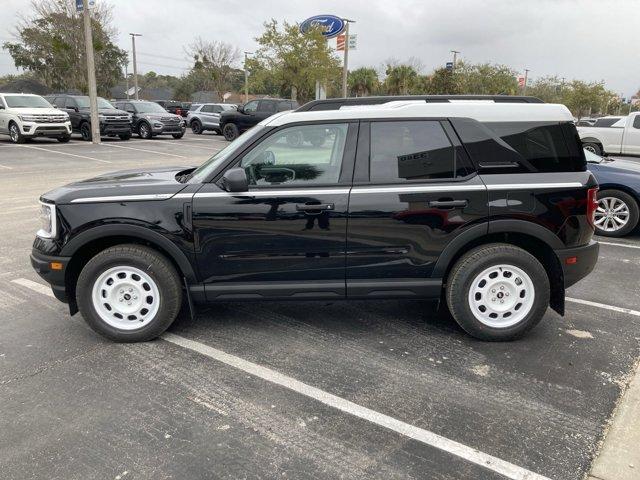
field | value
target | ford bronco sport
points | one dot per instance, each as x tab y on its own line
486	206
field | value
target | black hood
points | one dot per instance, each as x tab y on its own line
125	182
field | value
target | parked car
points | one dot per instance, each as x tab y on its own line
234	122
586	122
619	195
171	106
607	121
150	119
487	206
113	122
206	117
24	116
621	138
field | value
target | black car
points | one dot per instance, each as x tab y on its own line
150	119
235	122
172	106
486	207
113	122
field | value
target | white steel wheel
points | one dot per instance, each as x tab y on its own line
612	214
125	297
501	296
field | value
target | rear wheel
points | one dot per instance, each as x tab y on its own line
230	132
129	293
617	213
497	292
593	148
14	133
85	131
196	127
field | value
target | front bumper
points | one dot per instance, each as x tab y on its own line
115	128
42	264
160	128
578	262
35	129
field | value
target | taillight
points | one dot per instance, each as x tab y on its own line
592	204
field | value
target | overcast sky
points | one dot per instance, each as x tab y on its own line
583	39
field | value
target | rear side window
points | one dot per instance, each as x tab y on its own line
267	106
404	151
207	109
542	147
284	106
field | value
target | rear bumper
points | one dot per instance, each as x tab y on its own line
41	263
578	262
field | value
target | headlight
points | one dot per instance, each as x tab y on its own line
130	117
47	220
27	118
100	116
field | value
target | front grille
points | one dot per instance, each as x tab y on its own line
170	120
110	118
43	118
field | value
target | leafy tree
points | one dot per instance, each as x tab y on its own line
585	98
289	60
400	79
363	81
213	67
442	82
486	79
50	44
548	89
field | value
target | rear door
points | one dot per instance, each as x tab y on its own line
414	191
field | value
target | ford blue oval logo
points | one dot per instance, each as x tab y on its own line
330	25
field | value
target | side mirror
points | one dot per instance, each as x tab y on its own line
240	109
76	109
1	107
235	180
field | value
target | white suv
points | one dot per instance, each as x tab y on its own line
24	116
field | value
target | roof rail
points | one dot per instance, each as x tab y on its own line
336	103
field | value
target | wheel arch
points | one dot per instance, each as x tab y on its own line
533	238
635	194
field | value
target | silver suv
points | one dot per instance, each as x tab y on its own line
206	116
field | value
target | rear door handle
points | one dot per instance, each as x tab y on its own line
448	203
315	207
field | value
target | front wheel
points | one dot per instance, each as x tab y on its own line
129	293
178	136
617	213
230	132
497	292
14	134
85	131
64	138
196	127
144	131
125	136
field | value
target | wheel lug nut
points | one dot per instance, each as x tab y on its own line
501	301
493	299
501	288
493	290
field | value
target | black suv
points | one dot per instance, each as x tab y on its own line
235	122
486	206
113	122
150	119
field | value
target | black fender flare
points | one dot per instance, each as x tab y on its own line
494	226
102	231
591	140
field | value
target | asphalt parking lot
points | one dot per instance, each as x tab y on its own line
385	389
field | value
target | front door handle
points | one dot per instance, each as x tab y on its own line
448	203
315	207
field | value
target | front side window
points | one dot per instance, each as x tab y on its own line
300	155
207	109
410	151
251	106
636	122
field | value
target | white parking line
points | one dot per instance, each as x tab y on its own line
469	454
35	286
65	153
8	168
628	311
619	244
162	142
143	150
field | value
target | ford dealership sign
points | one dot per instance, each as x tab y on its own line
330	25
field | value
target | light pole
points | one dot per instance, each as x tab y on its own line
526	76
455	58
135	65
246	77
91	73
345	67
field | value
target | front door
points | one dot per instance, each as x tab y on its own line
631	139
285	237
414	191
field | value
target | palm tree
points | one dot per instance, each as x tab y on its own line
363	81
400	79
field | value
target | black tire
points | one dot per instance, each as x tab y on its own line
295	139
593	148
14	133
230	132
178	136
85	131
64	138
145	131
217	131
632	218
126	136
196	127
153	264
474	263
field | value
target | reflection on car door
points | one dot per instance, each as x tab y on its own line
414	191
286	236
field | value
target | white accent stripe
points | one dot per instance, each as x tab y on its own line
628	311
143	150
183	195
527	186
618	244
469	454
124	198
452	187
65	153
271	193
35	286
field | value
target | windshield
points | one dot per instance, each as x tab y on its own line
83	102
201	173
149	107
26	101
592	157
